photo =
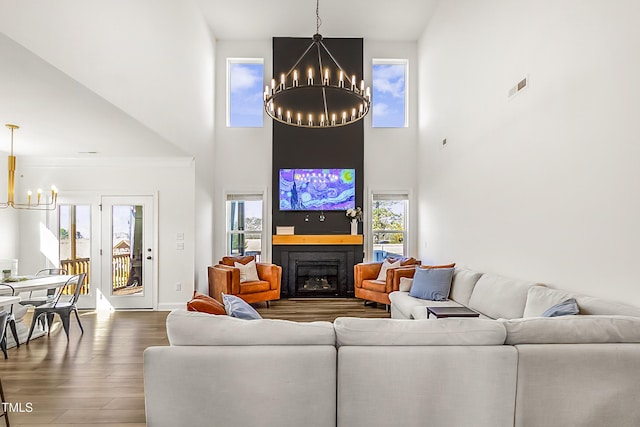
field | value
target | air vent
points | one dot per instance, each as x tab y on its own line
519	87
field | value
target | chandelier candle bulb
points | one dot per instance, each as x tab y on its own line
333	118
295	78
361	86
310	79
341	80
288	116
344	117
310	119
326	76
29	197
299	118
283	81
321	119
353	82
353	114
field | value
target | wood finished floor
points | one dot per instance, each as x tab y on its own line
96	378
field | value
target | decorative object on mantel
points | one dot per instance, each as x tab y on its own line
285	230
355	215
47	204
349	102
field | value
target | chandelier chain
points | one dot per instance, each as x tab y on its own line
318	20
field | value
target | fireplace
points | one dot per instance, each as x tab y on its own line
317	277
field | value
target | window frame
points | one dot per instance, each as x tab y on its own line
230	62
391	61
245	197
404	196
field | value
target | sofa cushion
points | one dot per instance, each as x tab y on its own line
375	285
540	298
567	307
462	284
254	287
572	330
403	260
206	304
191	328
500	297
386	265
237	307
451	331
405	284
431	283
593	305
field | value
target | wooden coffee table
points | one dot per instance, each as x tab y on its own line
441	312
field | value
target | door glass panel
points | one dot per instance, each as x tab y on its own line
244	227
388	226
75	241
126	244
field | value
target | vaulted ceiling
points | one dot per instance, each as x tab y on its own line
135	78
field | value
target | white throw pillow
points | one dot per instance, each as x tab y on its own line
248	271
385	266
405	284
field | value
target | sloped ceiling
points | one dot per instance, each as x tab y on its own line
135	78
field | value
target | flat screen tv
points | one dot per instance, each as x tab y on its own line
317	189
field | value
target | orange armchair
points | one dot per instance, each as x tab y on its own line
367	286
224	277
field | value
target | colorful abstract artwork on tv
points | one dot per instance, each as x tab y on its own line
317	189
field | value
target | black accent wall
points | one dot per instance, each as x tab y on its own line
294	147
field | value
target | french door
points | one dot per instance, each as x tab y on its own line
128	252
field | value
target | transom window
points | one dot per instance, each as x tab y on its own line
244	92
389	93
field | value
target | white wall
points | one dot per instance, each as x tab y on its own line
243	156
543	186
389	153
171	179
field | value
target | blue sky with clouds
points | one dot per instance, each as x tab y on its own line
388	95
245	90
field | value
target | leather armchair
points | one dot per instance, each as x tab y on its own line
367	286
226	278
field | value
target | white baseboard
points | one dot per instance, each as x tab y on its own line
168	306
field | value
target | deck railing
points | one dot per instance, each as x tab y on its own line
120	269
77	266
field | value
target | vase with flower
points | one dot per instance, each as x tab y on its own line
355	216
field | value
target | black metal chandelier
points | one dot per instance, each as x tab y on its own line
332	97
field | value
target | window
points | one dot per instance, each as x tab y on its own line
244	225
389	96
389	225
75	240
244	92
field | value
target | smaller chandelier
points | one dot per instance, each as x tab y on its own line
340	99
41	203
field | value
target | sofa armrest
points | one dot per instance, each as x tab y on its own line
271	273
397	274
365	271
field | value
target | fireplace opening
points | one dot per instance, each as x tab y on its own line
317	277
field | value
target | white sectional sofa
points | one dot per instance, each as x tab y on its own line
513	371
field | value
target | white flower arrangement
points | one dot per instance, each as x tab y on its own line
354	214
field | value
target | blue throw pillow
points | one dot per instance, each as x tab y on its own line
432	284
564	308
237	307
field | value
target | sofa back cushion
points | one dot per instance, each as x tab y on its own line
401	332
572	330
193	328
593	305
500	297
540	298
462	285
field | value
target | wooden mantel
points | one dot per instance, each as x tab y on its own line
317	239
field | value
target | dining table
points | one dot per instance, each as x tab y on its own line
10	300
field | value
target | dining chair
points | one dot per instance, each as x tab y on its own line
3	332
61	306
51	293
11	319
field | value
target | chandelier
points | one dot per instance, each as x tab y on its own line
41	203
332	97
